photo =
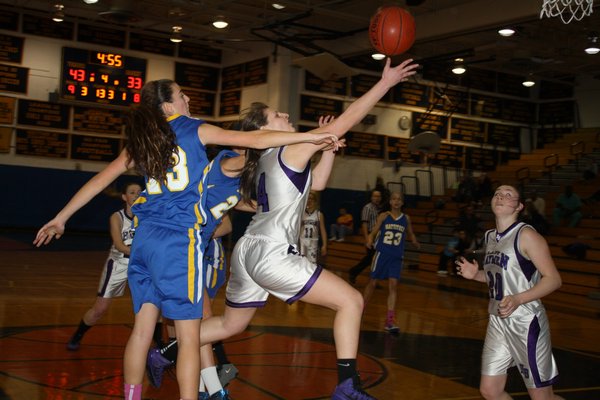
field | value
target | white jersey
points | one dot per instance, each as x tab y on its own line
522	339
309	235
281	196
507	270
265	260
127	232
114	274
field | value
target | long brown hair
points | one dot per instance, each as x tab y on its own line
151	142
251	119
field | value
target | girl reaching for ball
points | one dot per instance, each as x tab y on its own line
265	260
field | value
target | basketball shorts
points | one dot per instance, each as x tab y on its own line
385	266
260	267
165	270
523	342
114	277
215	267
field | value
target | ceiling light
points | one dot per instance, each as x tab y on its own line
528	82
58	15
176	35
278	6
592	45
220	22
90	1
378	56
506	32
459	66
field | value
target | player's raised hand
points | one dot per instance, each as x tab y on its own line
52	230
400	73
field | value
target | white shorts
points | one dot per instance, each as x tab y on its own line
260	267
523	342
114	277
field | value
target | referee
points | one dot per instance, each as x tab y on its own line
368	217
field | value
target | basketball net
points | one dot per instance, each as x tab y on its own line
568	10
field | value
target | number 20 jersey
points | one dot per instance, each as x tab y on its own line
507	271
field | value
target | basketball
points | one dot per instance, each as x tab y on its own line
392	30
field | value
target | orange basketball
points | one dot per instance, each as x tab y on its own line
392	30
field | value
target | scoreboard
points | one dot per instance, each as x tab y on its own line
101	77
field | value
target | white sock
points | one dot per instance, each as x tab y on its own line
201	387
211	380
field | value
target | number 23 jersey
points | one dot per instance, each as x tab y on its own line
507	271
391	236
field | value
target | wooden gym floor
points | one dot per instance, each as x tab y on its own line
287	353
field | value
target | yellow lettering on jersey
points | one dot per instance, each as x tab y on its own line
177	179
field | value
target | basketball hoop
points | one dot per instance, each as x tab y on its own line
568	10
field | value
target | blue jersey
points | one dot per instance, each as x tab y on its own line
221	193
391	236
177	202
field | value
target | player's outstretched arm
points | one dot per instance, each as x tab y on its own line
390	77
56	227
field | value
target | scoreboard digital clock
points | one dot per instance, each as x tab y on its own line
101	77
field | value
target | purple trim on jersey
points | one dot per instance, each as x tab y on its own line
500	235
299	179
527	266
307	287
109	271
250	304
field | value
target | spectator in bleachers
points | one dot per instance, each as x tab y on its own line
532	217
466	188
538	202
458	245
469	221
343	226
484	188
568	205
591	169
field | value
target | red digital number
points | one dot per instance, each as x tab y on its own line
77	74
136	97
134	82
71	89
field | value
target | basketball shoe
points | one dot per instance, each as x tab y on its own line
391	327
203	396
155	366
227	373
220	395
350	389
74	343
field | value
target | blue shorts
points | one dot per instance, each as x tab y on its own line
385	266
164	270
215	267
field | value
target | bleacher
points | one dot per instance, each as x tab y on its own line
580	292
